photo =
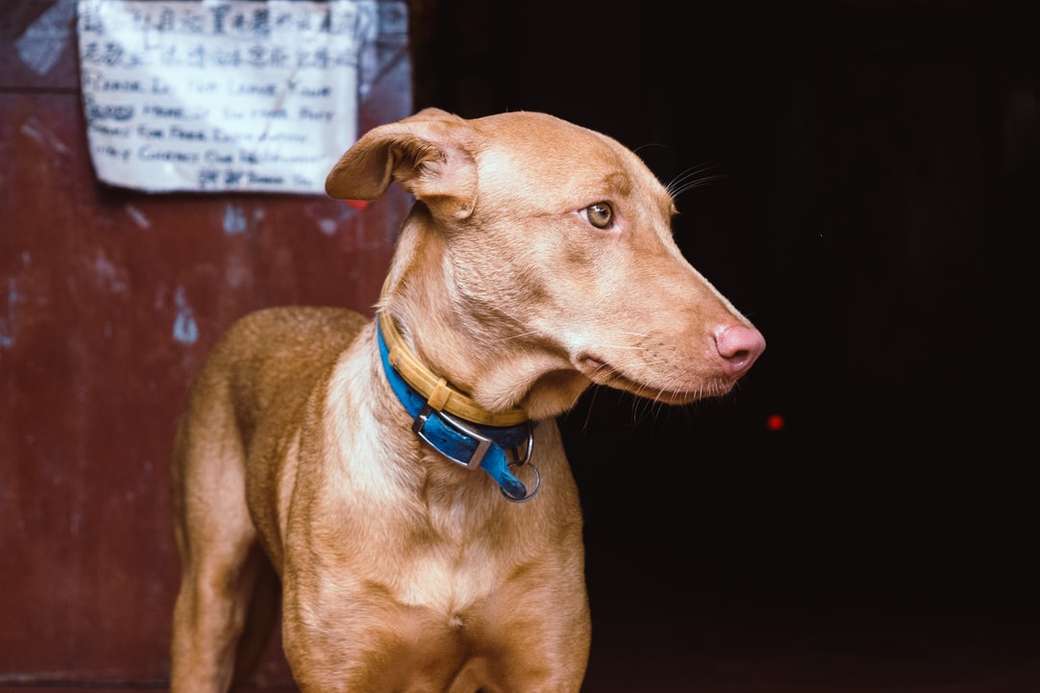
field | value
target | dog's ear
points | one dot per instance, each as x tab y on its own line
429	153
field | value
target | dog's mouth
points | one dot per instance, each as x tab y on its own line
602	373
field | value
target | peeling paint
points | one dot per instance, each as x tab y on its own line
41	45
7	339
30	130
328	219
37	131
185	329
110	275
234	220
328	226
138	217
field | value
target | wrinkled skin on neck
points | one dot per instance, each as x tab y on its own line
524	302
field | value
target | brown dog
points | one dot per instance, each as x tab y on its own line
538	260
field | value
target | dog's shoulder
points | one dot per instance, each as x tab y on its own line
276	356
319	327
292	339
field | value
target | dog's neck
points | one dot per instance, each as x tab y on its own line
485	358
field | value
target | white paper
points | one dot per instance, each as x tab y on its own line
228	95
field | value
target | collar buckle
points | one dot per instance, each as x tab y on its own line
483	442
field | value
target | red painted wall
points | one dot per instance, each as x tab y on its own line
93	281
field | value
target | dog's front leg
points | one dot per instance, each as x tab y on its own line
550	656
538	626
328	641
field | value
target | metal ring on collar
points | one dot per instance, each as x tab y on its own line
528	450
530	494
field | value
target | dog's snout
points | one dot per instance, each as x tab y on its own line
739	346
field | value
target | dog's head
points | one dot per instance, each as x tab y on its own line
554	243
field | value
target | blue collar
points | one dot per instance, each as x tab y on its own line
463	442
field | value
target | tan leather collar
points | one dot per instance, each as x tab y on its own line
438	393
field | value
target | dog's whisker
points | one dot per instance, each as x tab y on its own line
705	172
657	397
697	183
700	183
687	173
680	182
588	414
515	336
649	144
694	186
688	188
641	392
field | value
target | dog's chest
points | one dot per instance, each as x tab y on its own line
447	580
459	564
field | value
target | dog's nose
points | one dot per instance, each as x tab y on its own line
739	346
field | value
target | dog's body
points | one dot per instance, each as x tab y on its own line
401	571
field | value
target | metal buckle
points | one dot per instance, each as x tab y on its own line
483	442
483	445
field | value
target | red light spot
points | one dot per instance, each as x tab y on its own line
775	422
357	204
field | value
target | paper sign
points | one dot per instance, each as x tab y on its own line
223	95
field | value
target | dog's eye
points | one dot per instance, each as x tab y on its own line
600	215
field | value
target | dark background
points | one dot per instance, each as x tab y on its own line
875	154
874	157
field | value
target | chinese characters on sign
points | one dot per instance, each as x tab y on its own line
223	95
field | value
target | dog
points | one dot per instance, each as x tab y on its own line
396	487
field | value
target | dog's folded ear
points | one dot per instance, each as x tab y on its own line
429	153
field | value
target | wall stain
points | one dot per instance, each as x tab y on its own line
7	339
138	217
234	220
41	45
108	274
185	329
37	131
